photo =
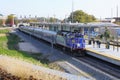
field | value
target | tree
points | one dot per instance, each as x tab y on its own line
115	38
16	21
106	34
1	19
0	22
80	16
51	19
9	20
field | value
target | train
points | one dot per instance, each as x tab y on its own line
71	41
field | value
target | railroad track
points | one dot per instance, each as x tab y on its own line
104	66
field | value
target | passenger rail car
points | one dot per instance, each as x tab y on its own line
72	41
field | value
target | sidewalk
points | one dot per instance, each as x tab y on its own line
102	51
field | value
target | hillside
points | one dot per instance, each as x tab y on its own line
19	63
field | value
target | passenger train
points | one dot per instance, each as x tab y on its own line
72	41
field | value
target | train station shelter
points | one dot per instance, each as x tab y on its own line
82	27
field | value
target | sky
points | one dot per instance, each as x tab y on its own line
59	8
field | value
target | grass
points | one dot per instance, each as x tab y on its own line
4	31
9	47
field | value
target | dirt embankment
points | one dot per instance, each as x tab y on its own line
2	35
25	71
8	76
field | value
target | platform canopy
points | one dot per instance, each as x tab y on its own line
101	24
92	24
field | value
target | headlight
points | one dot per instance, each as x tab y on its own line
73	41
78	45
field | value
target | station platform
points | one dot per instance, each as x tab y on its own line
111	55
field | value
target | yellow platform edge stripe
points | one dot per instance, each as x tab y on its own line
103	54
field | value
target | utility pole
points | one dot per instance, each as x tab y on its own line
111	13
65	19
117	11
72	10
48	19
54	18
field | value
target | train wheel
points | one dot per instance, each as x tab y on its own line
64	49
81	53
73	53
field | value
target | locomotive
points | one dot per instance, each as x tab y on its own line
72	41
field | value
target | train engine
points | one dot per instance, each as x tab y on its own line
73	41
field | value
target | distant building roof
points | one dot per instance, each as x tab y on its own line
103	24
117	19
92	24
108	20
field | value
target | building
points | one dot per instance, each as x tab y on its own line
111	20
3	18
117	19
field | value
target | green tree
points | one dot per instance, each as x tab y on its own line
106	34
1	19
51	19
16	21
80	16
10	18
0	22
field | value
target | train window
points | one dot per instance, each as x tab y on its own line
71	36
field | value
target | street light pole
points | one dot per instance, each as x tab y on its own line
117	11
54	18
117	32
111	13
65	19
117	42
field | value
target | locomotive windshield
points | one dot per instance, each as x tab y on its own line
79	35
75	35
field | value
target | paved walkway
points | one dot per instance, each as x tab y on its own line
115	54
